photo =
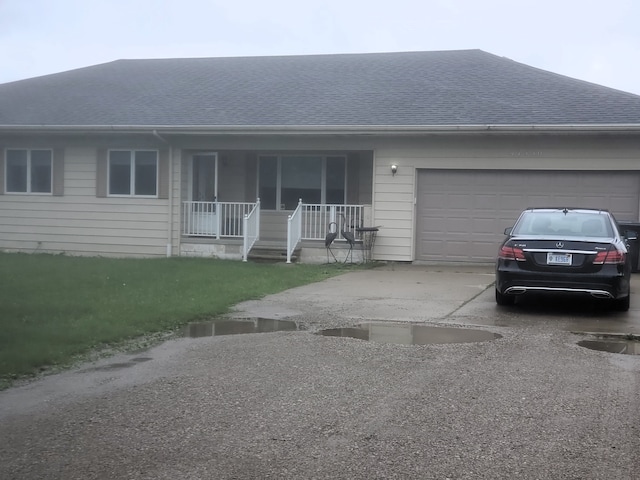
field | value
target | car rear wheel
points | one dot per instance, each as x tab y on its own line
621	304
502	299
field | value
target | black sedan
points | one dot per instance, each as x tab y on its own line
567	251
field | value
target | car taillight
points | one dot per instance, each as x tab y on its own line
511	253
614	256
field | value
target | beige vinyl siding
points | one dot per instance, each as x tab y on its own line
163	173
393	209
138	226
57	173
176	206
81	223
395	196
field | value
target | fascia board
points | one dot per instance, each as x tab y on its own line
324	129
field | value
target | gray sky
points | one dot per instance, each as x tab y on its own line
593	40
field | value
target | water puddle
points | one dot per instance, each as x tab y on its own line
118	365
411	334
618	345
235	327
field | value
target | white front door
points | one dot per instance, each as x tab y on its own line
204	177
204	193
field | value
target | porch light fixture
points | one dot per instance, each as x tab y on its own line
394	169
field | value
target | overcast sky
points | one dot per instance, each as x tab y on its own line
593	40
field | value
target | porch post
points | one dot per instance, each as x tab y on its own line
289	239
245	240
258	217
218	217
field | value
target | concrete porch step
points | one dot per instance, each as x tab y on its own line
271	252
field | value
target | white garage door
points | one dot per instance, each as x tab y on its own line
461	215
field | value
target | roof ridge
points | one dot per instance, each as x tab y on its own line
296	55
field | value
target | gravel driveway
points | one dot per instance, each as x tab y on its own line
529	405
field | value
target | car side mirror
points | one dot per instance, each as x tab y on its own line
507	231
631	235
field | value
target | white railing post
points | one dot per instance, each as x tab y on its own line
245	242
250	229
294	230
219	214
258	218
185	219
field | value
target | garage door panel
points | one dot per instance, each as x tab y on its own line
621	208
484	226
457	225
461	215
460	201
484	201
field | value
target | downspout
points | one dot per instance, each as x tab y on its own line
170	212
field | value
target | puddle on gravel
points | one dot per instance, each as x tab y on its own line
618	345
235	327
119	365
411	334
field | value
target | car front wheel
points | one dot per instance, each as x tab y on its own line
502	299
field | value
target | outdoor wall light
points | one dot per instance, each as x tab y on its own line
394	169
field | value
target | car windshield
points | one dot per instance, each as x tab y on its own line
580	224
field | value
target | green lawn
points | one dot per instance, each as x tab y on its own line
55	307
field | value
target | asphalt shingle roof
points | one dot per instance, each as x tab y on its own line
448	88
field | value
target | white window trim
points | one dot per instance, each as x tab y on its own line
132	178
28	192
323	175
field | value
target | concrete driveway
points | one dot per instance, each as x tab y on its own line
530	404
443	294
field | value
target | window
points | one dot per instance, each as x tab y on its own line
285	179
28	171
133	172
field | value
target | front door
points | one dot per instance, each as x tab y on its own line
204	177
204	194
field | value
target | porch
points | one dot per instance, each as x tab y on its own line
231	230
303	196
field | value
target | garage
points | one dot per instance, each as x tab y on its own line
461	214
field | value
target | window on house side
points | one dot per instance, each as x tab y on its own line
28	171
133	173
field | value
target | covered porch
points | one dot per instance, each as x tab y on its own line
235	201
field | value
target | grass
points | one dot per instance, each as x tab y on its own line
55	307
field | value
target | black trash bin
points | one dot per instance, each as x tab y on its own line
634	243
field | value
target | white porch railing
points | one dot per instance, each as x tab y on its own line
316	219
311	222
294	230
242	220
215	219
251	230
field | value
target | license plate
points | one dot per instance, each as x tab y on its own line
558	259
